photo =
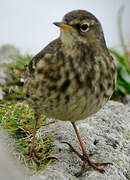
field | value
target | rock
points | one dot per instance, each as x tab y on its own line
127	100
9	169
105	134
1	94
6	52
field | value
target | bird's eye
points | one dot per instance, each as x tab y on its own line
84	27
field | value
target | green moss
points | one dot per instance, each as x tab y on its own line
18	120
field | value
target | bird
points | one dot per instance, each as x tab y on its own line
72	78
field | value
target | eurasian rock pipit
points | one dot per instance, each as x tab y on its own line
73	77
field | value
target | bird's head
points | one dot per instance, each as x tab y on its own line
80	25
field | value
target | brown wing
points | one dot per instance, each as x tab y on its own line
50	48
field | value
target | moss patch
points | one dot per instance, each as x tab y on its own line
18	120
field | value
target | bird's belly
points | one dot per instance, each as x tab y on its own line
79	107
76	102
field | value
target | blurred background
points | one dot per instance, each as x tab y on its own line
27	24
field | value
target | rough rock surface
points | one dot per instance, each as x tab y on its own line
105	134
6	52
9	169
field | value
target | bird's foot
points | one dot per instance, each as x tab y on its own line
85	159
35	156
37	159
96	165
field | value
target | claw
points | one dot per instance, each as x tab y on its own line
51	158
103	164
85	158
72	149
36	157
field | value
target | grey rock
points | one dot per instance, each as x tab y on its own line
105	134
6	52
1	93
9	169
128	100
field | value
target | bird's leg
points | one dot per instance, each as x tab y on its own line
85	157
33	152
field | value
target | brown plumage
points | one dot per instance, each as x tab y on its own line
74	76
